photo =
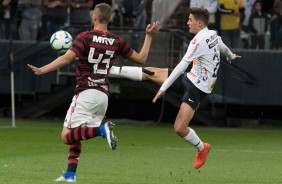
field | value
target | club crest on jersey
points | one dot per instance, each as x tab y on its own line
194	41
104	40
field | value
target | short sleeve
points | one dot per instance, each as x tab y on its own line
124	50
79	45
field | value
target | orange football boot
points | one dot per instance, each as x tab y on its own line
202	156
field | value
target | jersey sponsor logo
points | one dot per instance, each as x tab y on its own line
104	40
205	77
212	85
213	44
211	38
193	71
93	82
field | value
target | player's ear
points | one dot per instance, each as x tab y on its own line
94	17
200	23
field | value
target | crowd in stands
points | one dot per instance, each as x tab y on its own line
34	19
255	24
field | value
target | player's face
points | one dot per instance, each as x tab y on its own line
193	24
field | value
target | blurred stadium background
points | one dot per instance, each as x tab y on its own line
241	118
249	89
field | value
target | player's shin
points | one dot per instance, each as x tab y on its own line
73	157
194	139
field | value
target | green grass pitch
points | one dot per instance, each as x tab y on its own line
32	153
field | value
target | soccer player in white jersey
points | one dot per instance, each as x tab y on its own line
204	53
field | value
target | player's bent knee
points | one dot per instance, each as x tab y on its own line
64	133
179	130
64	139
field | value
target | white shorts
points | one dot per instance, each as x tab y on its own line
88	108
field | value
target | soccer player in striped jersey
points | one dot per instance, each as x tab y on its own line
204	54
96	50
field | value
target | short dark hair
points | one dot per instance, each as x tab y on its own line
257	1
103	12
200	14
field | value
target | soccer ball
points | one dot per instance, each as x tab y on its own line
61	41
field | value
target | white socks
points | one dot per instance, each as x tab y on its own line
193	139
128	72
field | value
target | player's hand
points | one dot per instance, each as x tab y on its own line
158	95
229	60
153	29
36	71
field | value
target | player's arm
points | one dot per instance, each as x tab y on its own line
226	51
141	57
57	63
178	70
193	52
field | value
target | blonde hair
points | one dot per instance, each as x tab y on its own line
103	12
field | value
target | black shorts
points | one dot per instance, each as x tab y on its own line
190	93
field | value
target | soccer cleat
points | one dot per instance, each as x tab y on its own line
202	156
112	140
67	177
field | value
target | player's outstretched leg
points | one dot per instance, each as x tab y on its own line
67	177
202	156
107	132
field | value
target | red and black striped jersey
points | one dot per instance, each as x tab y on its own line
97	51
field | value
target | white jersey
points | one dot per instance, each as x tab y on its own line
204	52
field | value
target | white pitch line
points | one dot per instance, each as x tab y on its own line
226	150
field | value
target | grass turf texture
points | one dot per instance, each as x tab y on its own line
33	153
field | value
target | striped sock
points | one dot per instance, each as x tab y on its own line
73	157
82	133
